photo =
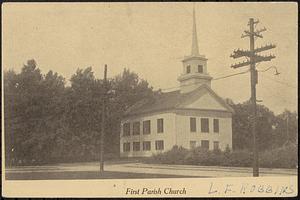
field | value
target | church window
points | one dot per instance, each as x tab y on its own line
200	68
193	124
136	128
188	69
126	146
136	146
192	144
216	145
160	125
216	125
147	146
159	145
126	129
205	144
146	127
204	125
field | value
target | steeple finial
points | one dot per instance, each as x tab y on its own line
195	49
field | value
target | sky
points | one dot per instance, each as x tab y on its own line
151	39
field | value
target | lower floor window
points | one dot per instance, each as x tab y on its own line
216	145
147	146
205	144
136	146
192	144
126	147
159	144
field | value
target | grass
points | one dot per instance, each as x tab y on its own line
73	175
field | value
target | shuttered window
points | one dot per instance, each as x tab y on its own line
193	124
192	144
136	146
146	127
216	145
126	147
126	129
216	125
136	128
159	145
204	125
147	146
188	69
160	125
200	68
205	144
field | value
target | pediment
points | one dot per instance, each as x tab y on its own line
206	99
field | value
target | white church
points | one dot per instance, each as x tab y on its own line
189	117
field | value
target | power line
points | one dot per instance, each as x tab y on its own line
230	75
214	79
280	82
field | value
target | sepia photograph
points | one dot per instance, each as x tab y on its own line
149	99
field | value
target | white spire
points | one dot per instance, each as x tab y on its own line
195	49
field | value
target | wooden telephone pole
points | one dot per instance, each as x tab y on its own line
103	121
253	58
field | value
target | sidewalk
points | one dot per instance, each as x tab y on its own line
182	170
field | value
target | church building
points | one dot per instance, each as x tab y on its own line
189	117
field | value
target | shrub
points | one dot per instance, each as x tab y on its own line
174	156
285	157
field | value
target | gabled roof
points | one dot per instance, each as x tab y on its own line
173	100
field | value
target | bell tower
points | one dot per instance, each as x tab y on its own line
194	72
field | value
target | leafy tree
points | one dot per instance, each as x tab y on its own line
241	126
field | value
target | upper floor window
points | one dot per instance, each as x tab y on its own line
188	69
205	144
193	124
204	125
126	147
136	128
126	129
147	146
160	125
216	125
200	68
136	146
159	145
146	127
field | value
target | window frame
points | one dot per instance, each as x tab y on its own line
157	142
125	130
193	146
216	126
193	119
144	127
134	145
202	146
203	130
202	69
146	142
188	69
124	147
134	128
218	145
160	125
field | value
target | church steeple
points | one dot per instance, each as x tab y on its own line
195	49
194	66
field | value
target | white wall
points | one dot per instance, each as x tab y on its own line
184	135
168	136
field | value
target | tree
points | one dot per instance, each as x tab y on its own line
241	126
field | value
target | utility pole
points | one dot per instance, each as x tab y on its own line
287	128
103	121
252	59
